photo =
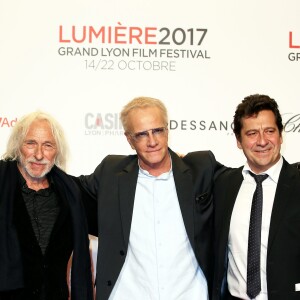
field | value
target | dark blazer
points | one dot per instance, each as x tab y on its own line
23	267
113	185
283	253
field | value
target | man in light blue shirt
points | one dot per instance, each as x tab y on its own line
154	214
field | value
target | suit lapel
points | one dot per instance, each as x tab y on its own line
284	193
185	192
226	200
127	180
226	195
233	187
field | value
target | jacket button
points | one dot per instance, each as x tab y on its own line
35	292
109	283
122	252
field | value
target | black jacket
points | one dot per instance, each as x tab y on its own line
283	253
23	268
113	186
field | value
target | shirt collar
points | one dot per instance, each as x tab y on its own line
165	175
272	172
43	192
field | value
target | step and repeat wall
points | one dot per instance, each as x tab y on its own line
82	61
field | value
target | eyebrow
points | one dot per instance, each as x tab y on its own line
45	142
266	128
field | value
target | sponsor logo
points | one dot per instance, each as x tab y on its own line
6	122
104	124
294	43
291	123
132	48
109	124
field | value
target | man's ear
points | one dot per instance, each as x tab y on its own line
239	142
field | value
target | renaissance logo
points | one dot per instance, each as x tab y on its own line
294	43
200	125
132	48
291	124
107	124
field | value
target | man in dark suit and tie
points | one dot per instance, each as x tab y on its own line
257	212
154	213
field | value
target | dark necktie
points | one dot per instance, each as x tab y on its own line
254	240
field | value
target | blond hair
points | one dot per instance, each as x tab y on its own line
142	102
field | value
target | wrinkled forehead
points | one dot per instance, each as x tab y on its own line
40	130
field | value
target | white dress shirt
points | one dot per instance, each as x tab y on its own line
239	231
160	263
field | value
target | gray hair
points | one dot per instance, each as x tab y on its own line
19	133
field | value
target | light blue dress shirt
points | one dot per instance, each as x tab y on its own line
160	262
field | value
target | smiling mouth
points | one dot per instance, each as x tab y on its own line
263	151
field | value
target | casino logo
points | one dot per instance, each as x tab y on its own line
104	124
